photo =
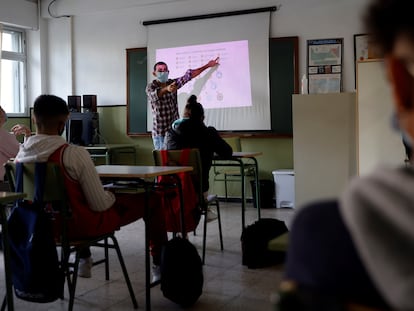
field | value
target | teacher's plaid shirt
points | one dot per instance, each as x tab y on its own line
164	109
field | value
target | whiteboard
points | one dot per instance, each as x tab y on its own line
377	142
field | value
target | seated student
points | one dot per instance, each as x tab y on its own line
191	132
375	215
95	211
9	146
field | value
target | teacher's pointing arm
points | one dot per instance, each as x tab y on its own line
212	63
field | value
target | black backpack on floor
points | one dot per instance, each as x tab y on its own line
181	272
255	239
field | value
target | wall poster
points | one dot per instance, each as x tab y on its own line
325	65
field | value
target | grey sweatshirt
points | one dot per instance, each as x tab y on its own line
379	212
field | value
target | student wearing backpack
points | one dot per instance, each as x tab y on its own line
95	211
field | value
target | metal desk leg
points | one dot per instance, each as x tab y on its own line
182	215
6	250
256	178
147	252
107	157
243	196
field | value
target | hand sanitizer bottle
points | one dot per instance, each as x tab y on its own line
304	86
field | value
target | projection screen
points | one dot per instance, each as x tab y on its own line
235	94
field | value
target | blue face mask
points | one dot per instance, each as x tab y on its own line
162	76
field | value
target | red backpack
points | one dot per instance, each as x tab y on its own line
171	200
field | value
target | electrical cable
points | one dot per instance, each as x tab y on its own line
50	13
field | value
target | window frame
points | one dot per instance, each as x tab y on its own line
19	57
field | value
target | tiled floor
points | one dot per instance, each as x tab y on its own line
228	285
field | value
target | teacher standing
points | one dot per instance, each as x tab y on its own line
162	94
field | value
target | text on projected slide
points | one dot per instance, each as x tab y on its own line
225	86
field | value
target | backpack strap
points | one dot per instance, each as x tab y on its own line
19	177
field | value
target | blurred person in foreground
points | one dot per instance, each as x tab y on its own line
359	250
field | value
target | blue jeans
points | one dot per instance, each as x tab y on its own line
158	142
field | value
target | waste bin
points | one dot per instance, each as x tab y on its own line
284	188
266	193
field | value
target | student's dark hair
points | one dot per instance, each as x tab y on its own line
194	108
48	107
386	19
159	63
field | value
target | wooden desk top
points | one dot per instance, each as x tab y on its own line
135	171
108	146
246	154
6	197
240	155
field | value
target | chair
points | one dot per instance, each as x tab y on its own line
212	200
55	193
229	174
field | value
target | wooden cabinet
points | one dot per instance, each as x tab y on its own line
323	145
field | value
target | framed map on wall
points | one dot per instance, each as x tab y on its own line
325	65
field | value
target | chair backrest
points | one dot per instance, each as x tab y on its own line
194	160
54	190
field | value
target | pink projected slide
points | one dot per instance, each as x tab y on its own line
225	86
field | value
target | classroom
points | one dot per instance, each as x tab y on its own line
78	47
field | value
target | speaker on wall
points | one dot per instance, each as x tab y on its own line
89	103
74	103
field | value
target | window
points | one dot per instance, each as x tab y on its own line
13	72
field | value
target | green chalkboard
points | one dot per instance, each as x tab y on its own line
136	97
284	81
